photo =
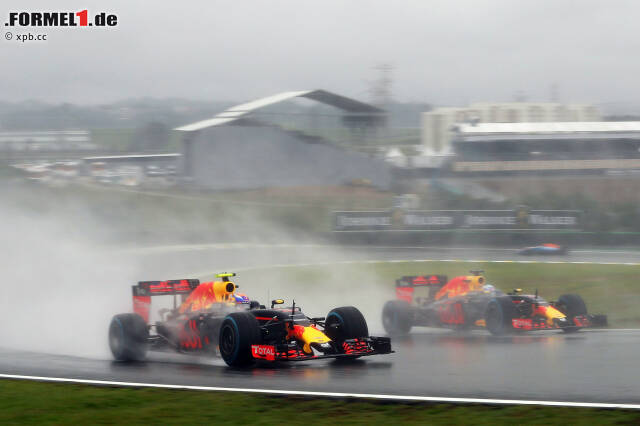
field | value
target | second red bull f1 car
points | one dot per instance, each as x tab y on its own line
468	302
213	318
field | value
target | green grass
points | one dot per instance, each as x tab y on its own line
610	289
7	172
24	402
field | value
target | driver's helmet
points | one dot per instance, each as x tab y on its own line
240	299
488	288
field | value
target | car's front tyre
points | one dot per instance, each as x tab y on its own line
238	332
572	305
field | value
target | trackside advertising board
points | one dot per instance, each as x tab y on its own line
362	221
427	220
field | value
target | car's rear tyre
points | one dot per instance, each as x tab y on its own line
397	317
571	305
345	323
128	337
499	315
239	331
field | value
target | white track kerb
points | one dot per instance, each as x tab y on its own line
400	398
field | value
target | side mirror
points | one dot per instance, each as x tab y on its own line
276	302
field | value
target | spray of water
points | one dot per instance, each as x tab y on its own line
67	267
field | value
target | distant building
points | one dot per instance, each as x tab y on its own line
244	148
569	147
46	141
437	125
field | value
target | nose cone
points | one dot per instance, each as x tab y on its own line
313	335
554	315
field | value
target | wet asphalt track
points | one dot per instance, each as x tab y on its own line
589	366
593	366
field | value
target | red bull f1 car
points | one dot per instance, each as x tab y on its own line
468	302
212	318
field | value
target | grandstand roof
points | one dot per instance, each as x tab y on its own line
133	157
239	111
548	128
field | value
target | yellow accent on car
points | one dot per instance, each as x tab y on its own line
475	282
552	313
223	290
313	335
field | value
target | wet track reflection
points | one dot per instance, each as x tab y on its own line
589	366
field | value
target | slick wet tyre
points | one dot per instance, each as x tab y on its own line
499	315
128	337
396	317
572	305
239	331
345	323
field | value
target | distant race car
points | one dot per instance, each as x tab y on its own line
468	302
544	249
212	318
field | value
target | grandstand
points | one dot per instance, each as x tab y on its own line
558	147
252	146
438	124
46	141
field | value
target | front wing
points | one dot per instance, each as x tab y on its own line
580	321
364	346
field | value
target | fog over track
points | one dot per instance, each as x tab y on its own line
593	366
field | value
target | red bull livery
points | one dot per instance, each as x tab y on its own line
468	302
212	318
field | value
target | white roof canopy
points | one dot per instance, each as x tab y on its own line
239	111
548	128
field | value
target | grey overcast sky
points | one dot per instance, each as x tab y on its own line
444	52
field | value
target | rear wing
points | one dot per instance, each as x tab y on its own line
159	288
143	291
419	288
421	280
